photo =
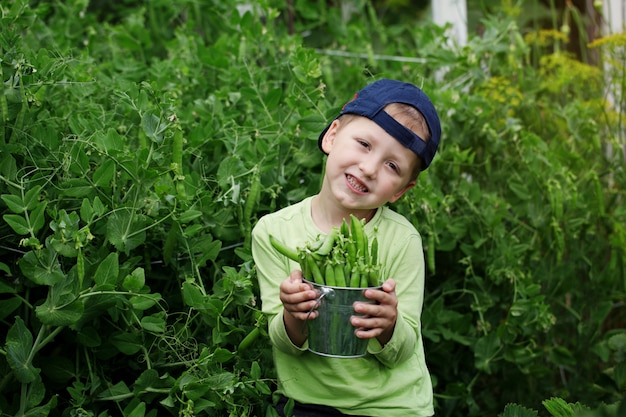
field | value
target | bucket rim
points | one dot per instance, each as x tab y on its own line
378	287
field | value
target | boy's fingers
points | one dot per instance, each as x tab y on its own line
373	325
389	286
295	276
296	279
382	297
364	333
373	310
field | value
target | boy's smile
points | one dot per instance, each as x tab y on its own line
366	167
355	184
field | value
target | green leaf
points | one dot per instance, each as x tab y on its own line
127	343
189	215
76	187
313	122
223	380
19	343
617	341
207	249
222	355
65	226
192	295
43	410
485	350
558	407
86	211
135	281
273	98
108	270
125	230
103	176
14	203
59	369
42	267
98	207
138	411
153	127
53	314
195	390
31	198
37	217
119	390
231	167
88	336
109	142
9	306
305	65
263	388
147	380
153	323
4	288
307	10
144	302
193	229
520	188
619	375
17	223
36	394
515	410
255	370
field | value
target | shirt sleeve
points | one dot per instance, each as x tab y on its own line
272	269
404	262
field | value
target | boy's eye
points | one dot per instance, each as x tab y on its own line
363	143
393	166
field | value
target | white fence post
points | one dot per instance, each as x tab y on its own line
453	12
613	13
614	17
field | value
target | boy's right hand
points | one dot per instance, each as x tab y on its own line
299	299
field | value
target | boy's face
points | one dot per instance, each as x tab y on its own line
366	166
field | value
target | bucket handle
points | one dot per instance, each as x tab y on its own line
325	292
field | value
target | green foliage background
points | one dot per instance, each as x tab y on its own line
140	143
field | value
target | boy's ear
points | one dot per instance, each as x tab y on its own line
329	137
400	193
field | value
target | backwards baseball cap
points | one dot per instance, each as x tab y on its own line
372	99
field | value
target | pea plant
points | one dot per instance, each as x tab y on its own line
140	144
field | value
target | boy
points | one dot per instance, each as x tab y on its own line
376	148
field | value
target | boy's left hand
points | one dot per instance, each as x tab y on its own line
379	319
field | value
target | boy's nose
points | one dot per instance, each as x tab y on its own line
369	167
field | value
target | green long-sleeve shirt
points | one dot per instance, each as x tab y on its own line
389	381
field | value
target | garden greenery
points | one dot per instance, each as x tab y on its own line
140	143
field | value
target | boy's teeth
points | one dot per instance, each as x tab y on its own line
355	184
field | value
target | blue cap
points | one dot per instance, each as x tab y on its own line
372	99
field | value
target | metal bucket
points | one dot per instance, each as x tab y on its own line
331	333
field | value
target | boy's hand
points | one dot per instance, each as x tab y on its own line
379	319
298	299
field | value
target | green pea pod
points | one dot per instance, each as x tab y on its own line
373	276
340	278
365	249
374	251
329	242
355	278
329	274
282	249
304	266
364	279
247	341
351	249
356	228
315	271
345	229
